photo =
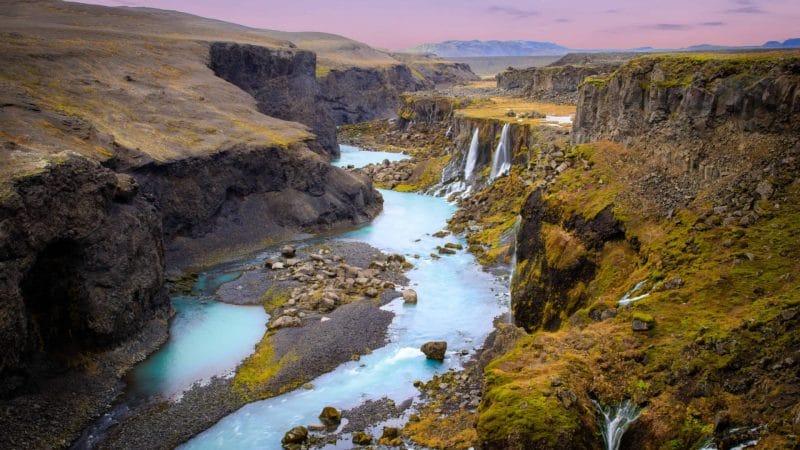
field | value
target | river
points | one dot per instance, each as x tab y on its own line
457	303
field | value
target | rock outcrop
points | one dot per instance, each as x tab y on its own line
695	121
284	83
82	268
663	258
244	195
551	83
357	94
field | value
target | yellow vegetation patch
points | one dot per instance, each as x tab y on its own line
454	431
563	250
498	108
254	374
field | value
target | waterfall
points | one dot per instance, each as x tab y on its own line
515	232
472	157
501	163
616	421
627	299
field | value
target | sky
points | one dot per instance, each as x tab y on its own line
588	24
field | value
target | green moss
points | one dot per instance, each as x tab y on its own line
274	298
322	71
563	250
255	373
431	173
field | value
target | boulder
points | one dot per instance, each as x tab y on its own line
286	322
642	322
330	416
277	266
372	292
410	296
288	251
390	436
361	438
297	435
434	350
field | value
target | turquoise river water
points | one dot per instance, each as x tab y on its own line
457	303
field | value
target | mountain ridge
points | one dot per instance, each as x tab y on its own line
497	48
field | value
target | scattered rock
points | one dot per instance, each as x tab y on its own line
643	322
608	314
390	436
288	251
361	438
277	266
674	283
410	296
764	189
297	435
454	246
330	416
286	322
434	350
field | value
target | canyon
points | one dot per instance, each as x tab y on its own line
605	246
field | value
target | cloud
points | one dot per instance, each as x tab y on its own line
668	26
711	24
746	10
511	11
562	20
613	11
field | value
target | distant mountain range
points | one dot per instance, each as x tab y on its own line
467	49
457	49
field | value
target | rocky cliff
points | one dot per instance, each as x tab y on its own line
82	263
550	83
283	82
243	196
357	94
698	120
659	269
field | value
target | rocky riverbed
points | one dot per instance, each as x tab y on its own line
325	302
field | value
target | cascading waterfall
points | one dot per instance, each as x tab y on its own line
616	421
501	162
472	157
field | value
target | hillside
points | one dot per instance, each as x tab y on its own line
124	158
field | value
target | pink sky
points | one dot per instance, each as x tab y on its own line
398	24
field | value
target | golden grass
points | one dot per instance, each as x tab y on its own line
497	108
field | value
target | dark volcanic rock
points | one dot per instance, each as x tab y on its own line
556	83
283	82
79	270
358	94
434	350
240	197
81	273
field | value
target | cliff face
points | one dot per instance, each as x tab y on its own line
283	83
696	122
551	83
358	94
75	239
659	268
242	196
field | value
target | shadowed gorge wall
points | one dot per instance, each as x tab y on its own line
282	81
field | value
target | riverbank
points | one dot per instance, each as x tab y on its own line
320	343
